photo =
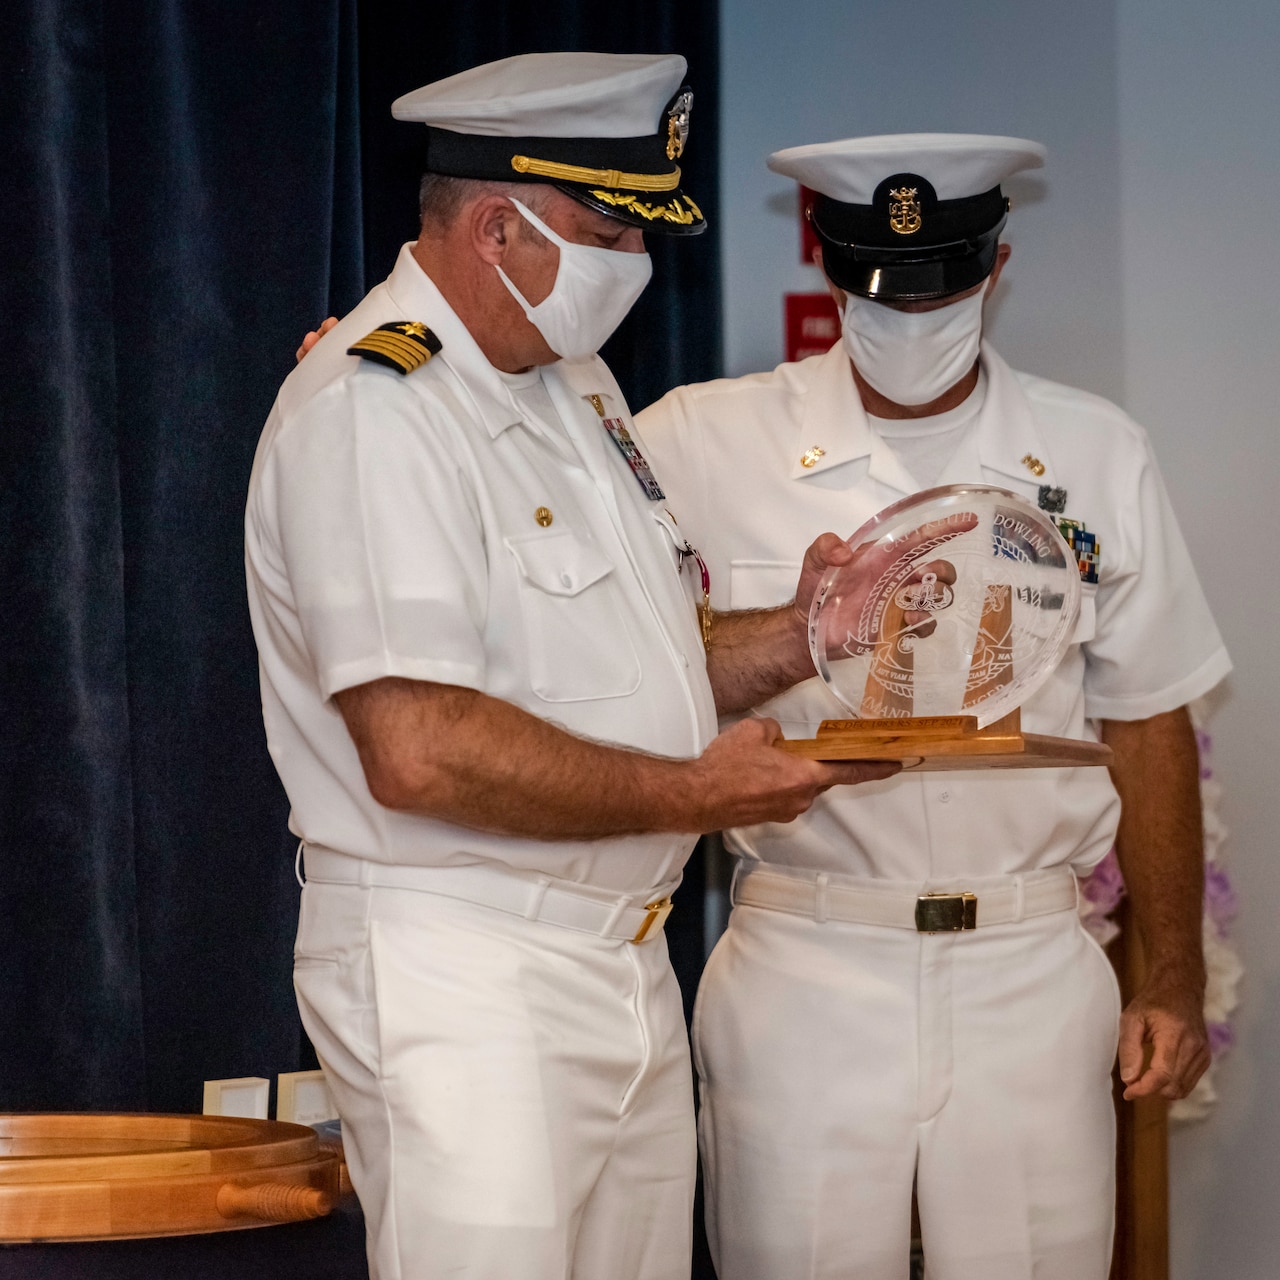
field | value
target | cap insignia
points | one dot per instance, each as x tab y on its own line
402	345
672	211
904	211
678	124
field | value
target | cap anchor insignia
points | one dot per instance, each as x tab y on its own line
904	211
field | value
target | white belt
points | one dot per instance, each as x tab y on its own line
532	897
822	897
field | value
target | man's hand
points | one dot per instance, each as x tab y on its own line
1168	1015
314	336
830	552
742	782
757	653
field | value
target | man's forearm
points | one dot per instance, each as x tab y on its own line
1160	842
756	654
468	758
504	770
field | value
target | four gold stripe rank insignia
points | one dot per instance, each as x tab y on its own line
402	345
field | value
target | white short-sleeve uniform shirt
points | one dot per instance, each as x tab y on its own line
428	526
1145	643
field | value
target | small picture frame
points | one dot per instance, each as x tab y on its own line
243	1096
303	1097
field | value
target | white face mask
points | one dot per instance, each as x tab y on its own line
912	357
594	289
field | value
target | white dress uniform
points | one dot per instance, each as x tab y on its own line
840	1060
512	1074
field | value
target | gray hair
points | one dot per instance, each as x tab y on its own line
441	197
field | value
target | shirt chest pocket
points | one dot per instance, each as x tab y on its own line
578	643
762	584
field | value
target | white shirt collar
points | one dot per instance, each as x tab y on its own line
416	295
834	428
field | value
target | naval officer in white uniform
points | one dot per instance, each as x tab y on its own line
842	1059
484	661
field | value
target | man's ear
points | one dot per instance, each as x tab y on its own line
491	223
833	289
1002	256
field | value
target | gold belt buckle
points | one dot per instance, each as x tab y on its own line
946	912
658	911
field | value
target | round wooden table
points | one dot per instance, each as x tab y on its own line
98	1177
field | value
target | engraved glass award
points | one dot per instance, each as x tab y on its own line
958	604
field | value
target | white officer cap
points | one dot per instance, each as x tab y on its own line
604	128
909	215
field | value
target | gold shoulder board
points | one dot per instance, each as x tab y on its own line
402	345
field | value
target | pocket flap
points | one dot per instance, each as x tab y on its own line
559	563
1087	619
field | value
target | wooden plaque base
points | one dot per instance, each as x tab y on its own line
946	742
97	1177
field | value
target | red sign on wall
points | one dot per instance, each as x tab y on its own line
813	324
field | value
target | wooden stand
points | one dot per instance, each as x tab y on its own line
1142	1146
95	1177
946	742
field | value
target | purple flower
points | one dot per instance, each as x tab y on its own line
1104	885
1221	1038
1220	902
1204	745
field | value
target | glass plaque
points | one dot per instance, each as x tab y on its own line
969	606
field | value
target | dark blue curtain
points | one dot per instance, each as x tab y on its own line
189	185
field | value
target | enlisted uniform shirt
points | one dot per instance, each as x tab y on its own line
924	446
1145	642
397	525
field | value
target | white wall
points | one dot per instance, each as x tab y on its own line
1200	165
813	70
1146	267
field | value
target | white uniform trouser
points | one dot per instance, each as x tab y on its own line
516	1097
840	1061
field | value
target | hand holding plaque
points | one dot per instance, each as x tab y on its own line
957	605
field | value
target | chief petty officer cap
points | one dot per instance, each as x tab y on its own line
606	129
908	216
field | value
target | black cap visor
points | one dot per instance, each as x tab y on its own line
905	276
